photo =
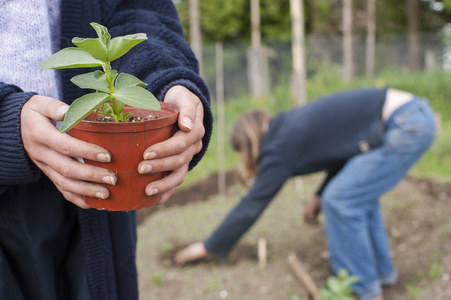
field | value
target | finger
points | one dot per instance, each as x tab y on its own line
66	185
169	163
167	183
187	102
182	139
166	196
75	170
48	107
37	111
180	142
70	146
75	199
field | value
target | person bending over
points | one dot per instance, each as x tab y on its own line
365	139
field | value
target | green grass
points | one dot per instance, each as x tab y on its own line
433	86
419	284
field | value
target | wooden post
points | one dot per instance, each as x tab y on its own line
348	53
195	32
370	38
298	51
262	253
255	24
302	274
413	34
220	118
258	71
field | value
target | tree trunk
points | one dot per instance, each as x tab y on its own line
348	53
257	72
413	26
195	32
370	38
298	51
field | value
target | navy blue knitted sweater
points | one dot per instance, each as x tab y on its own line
43	235
320	136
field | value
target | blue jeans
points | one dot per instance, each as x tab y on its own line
354	225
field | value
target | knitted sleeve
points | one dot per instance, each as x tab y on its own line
15	166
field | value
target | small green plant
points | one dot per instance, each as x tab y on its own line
113	90
157	278
339	288
414	292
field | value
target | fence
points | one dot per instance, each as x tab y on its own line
323	52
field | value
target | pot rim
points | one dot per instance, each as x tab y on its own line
166	116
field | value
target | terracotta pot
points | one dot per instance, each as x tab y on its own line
126	143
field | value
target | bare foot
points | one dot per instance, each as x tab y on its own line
191	253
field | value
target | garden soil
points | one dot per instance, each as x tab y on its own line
418	218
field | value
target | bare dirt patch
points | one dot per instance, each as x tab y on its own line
417	213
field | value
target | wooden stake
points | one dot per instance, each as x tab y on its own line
302	274
262	253
221	117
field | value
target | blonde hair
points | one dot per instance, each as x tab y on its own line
246	137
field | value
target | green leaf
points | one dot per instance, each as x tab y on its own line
107	108
124	80
122	44
325	294
102	33
99	75
92	80
333	285
81	108
137	97
118	107
95	47
70	58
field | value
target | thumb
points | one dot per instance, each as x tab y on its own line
49	107
187	102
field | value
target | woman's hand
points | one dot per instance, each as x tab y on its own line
312	210
191	253
175	154
53	152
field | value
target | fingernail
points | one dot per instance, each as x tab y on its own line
62	110
152	192
150	155
187	123
100	195
104	157
144	168
109	180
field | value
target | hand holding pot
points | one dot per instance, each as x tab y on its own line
175	154
52	152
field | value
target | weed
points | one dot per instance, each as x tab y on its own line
339	288
157	278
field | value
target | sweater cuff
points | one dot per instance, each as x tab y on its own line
15	165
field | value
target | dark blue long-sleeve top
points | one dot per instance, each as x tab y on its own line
45	241
320	136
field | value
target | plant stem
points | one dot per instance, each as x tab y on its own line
117	105
107	69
